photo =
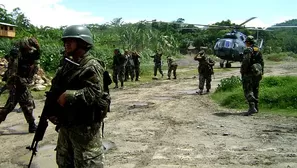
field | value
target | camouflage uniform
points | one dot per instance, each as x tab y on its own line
129	68
252	68
172	66
158	63
136	62
80	141
23	64
118	65
205	70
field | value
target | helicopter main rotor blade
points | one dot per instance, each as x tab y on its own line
280	27
247	21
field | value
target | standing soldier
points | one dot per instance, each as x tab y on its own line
23	65
252	69
136	62
157	63
205	70
129	68
172	66
82	103
118	66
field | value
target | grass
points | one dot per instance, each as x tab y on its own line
278	95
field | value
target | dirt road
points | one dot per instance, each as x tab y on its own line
165	124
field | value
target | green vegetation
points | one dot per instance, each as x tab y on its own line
144	37
276	93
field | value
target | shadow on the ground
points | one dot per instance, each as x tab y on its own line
226	114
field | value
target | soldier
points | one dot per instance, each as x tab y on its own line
82	105
205	70
23	65
136	62
252	69
118	67
172	66
158	63
129	66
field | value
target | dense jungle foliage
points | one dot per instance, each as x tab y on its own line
144	37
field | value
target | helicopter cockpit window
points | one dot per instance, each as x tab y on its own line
228	44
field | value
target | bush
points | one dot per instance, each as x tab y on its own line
275	93
228	84
277	57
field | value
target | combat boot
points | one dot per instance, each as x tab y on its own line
251	109
207	90
174	77
116	85
256	106
122	84
3	115
32	127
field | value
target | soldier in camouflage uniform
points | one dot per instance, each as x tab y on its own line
129	68
158	63
172	66
136	62
83	104
252	69
205	70
23	65
118	67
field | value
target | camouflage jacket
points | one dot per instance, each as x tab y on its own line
119	61
136	59
157	58
83	84
205	66
21	67
171	62
252	56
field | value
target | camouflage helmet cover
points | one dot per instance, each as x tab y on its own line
79	32
250	39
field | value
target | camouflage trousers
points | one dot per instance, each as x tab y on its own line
172	68
24	98
129	71
80	147
156	68
250	86
204	80
118	74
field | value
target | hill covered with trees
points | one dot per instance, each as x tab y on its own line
144	37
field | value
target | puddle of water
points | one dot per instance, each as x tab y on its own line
189	92
18	129
140	105
163	98
108	145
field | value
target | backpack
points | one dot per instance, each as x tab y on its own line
256	69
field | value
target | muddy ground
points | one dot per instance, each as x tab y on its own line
165	124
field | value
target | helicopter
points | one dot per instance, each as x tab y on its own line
230	48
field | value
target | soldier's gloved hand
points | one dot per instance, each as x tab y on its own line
62	99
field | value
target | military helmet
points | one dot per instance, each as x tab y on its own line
202	52
250	39
78	32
